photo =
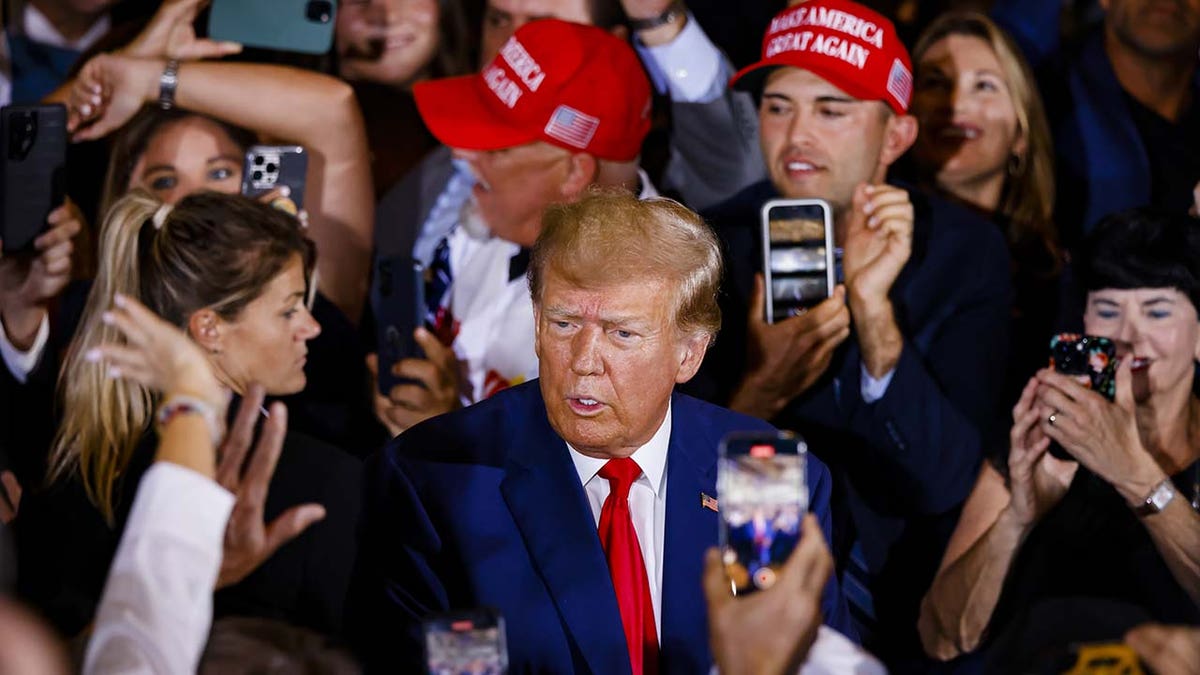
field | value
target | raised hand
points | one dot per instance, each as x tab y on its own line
435	389
771	631
27	286
786	358
108	92
1038	480
249	540
171	34
878	242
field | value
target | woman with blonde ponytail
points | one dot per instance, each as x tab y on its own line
232	273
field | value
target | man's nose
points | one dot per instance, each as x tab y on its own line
586	358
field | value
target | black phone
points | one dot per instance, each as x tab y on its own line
268	167
33	144
398	301
466	641
1090	359
763	495
798	255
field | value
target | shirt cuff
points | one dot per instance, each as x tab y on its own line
21	363
874	389
690	68
182	503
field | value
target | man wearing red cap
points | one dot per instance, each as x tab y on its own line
893	379
560	108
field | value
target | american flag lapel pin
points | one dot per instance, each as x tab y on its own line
708	502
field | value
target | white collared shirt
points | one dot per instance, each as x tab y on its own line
647	503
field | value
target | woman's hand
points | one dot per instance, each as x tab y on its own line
1038	480
28	285
157	355
108	92
171	34
1101	435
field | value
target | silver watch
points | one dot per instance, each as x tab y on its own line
167	84
1157	500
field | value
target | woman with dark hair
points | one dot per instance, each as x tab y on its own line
233	274
1116	522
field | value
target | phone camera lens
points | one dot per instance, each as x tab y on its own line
258	175
319	11
258	161
271	168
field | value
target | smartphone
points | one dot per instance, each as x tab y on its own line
1091	360
398	301
33	144
763	496
798	255
268	167
470	641
304	26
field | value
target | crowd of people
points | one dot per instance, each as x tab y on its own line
221	449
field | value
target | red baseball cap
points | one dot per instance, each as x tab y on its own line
574	86
855	48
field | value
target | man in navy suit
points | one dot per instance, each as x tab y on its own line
500	504
893	381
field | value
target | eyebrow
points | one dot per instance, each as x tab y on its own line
558	313
1159	300
295	295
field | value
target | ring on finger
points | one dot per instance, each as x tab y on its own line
1053	417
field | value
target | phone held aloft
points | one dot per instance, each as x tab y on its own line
304	26
398	302
467	641
1091	360
763	495
33	147
798	255
271	167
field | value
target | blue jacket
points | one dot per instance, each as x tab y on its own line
902	465
483	507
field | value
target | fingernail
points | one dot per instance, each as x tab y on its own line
285	191
114	372
119	300
107	318
868	207
92	355
85	110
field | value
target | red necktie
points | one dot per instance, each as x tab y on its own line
627	568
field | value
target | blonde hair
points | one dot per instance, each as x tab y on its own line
610	235
1027	200
211	251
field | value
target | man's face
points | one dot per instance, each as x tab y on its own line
502	18
817	140
513	186
609	358
1155	28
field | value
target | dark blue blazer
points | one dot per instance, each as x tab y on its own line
903	464
483	507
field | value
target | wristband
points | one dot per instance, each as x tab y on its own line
673	12
167	83
179	404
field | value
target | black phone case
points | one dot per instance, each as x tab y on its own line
398	301
271	166
33	145
1095	357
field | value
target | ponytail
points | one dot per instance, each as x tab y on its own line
104	417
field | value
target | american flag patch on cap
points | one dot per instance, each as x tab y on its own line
572	127
899	82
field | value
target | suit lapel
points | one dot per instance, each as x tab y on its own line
690	530
548	505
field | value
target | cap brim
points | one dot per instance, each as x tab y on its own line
752	77
457	113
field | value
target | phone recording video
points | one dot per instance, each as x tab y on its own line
33	157
798	261
398	301
1091	361
468	642
272	167
763	496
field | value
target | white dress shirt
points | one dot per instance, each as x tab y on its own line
647	503
156	609
21	363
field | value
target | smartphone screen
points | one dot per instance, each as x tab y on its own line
763	497
470	642
798	264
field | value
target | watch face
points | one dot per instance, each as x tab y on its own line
1161	496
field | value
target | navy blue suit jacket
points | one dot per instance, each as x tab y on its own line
902	464
483	507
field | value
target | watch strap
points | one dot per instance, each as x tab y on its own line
167	83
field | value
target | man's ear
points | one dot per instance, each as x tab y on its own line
537	330
582	172
207	329
898	136
694	348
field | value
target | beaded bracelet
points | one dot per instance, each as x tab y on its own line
181	404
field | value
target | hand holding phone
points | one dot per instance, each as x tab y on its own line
1091	360
398	300
33	157
276	167
763	496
